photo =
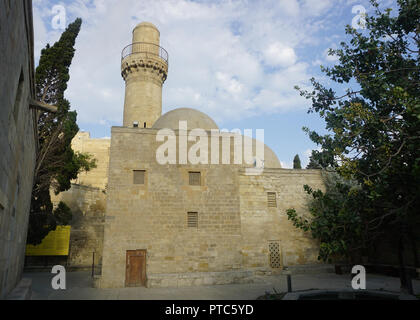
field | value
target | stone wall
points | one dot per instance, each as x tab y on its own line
88	207
261	224
234	223
99	149
153	216
87	200
18	138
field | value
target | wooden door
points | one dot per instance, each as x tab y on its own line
136	268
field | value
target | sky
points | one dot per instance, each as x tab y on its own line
236	60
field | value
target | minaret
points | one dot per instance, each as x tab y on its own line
144	68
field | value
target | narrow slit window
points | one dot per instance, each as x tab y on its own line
18	99
195	178
8	5
192	219
139	177
272	199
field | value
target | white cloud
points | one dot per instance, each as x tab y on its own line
214	67
286	164
290	7
317	7
229	84
278	54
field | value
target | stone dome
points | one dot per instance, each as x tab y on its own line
196	120
199	120
271	161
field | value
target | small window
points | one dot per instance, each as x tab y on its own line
272	200
195	178
139	176
192	219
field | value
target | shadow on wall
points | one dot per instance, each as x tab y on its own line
88	205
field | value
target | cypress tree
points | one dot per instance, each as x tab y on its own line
296	162
56	164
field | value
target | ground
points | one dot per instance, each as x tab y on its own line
79	287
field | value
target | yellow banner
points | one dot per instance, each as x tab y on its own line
55	244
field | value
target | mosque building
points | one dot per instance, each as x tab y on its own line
174	201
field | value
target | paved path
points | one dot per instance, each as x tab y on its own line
79	287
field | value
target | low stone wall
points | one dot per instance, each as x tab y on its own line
171	280
199	279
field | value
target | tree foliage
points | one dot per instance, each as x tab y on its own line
334	218
57	164
374	133
313	164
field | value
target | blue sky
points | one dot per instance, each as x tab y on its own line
236	60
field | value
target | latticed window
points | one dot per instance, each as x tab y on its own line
139	176
192	219
274	248
195	178
272	199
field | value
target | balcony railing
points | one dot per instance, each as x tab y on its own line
145	48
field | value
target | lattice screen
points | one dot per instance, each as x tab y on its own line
274	248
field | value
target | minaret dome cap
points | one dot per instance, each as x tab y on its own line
146	25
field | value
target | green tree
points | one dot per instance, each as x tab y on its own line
296	162
57	164
374	130
335	218
313	164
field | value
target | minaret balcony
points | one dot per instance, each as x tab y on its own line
145	50
145	59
